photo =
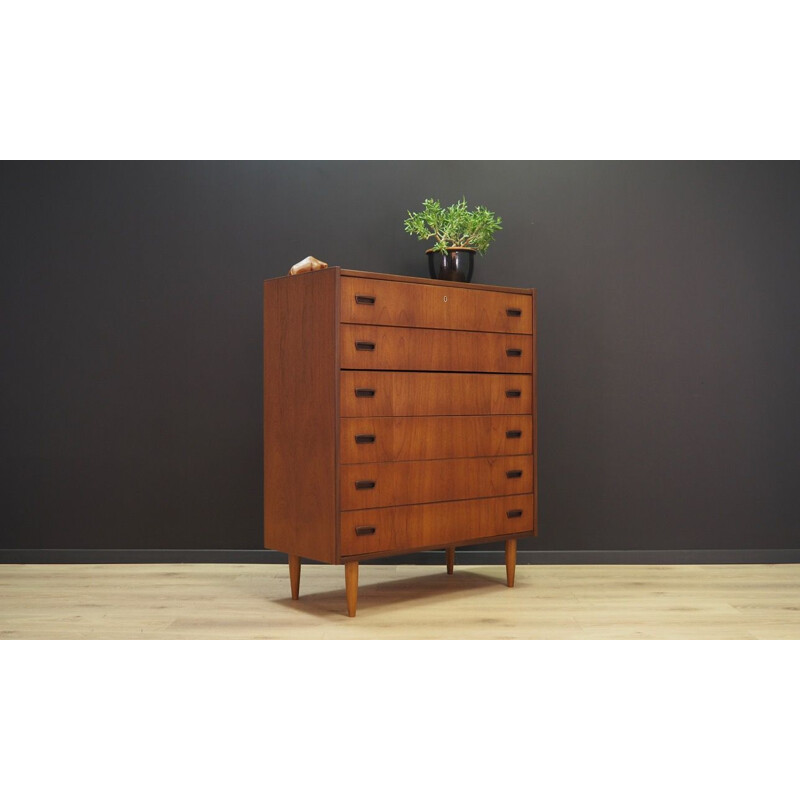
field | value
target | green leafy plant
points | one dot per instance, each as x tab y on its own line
454	226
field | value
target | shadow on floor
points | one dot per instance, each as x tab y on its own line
384	593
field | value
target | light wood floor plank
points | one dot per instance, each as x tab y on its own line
250	601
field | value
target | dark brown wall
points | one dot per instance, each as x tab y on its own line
130	355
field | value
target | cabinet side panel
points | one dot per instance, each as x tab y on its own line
535	414
300	397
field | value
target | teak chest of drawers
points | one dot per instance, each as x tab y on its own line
399	415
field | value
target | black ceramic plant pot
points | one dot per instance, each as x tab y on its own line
454	265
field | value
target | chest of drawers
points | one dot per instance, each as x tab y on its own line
399	415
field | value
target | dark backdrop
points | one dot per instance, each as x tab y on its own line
669	366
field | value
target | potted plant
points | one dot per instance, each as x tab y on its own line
459	234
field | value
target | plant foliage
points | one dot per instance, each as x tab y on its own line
454	226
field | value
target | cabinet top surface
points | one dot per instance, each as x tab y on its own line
356	273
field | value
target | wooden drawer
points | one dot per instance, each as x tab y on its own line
371	439
409	394
421	526
378	302
408	482
376	347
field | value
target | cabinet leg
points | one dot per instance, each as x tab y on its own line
351	586
451	559
294	575
511	560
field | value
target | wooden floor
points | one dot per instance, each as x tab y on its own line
252	601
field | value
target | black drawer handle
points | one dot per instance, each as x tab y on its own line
513	434
365	300
365	438
515	512
513	393
365	345
514	473
368	530
365	393
513	352
514	312
365	484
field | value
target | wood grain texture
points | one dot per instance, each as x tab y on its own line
294	575
408	482
432	524
422	438
535	414
251	601
437	350
428	430
410	279
300	415
351	586
409	394
443	305
511	561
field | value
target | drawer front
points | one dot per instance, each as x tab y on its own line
409	394
408	482
420	526
375	302
372	439
376	347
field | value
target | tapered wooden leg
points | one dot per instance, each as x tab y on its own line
511	560
294	575
451	559
351	586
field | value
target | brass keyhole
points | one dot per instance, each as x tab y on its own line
445	298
